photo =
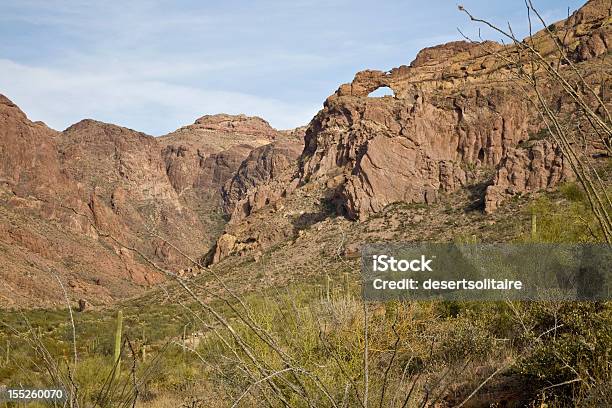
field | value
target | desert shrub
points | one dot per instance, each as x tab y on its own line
424	344
539	135
576	353
570	343
570	222
572	192
90	374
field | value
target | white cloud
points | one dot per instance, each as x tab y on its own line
62	97
155	65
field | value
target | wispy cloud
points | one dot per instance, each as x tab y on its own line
155	65
149	105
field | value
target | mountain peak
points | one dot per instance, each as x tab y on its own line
234	123
6	105
88	125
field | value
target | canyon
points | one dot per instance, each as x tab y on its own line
63	193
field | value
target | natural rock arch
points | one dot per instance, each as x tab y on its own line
381	92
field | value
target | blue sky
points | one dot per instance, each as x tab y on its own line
157	65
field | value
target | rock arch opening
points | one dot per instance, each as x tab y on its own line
381	92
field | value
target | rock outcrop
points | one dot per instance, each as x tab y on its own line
592	33
237	125
455	115
523	170
412	147
251	187
203	156
28	159
122	177
455	120
410	150
49	212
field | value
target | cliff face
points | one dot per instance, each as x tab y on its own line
533	168
456	112
456	119
58	190
410	149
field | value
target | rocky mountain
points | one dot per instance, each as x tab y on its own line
442	155
249	188
215	145
59	191
457	121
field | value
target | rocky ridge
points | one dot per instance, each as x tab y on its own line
455	121
454	124
59	191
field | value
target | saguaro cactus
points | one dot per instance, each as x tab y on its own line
118	334
534	226
347	286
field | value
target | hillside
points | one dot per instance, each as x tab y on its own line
456	125
61	190
220	264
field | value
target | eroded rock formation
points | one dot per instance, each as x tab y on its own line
455	108
205	155
393	149
252	186
455	119
523	170
61	193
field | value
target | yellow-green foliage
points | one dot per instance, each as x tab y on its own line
579	349
565	217
572	340
430	344
327	339
301	342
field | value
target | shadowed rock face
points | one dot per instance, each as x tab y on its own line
251	188
142	190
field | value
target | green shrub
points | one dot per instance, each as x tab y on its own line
572	192
578	350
